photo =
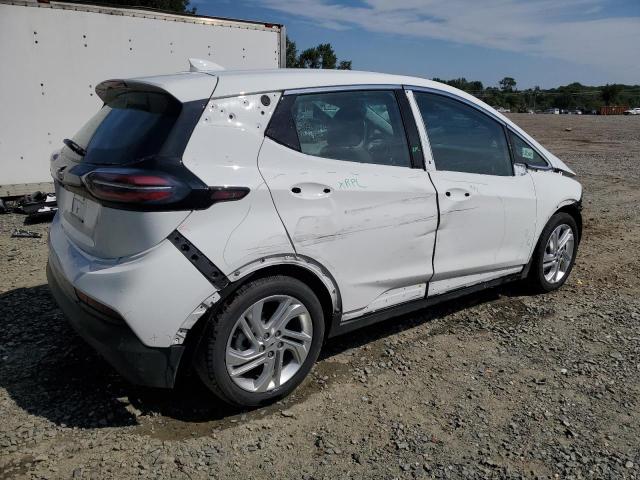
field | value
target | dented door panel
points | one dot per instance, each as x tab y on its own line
372	226
487	223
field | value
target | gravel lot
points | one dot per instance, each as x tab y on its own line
499	384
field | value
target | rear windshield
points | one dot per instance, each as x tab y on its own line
132	126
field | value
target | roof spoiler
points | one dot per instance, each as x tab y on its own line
110	89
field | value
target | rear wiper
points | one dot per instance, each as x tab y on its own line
75	147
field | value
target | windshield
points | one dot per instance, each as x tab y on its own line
132	126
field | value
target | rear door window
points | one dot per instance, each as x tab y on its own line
462	138
356	126
132	126
524	153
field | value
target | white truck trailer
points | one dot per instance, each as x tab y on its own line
53	54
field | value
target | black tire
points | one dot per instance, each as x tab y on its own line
210	360
536	277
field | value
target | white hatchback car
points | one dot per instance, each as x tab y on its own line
246	216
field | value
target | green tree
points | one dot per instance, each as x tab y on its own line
610	93
321	56
178	6
292	54
507	84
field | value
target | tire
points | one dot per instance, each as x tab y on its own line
228	347
540	272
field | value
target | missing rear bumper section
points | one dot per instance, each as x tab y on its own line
142	365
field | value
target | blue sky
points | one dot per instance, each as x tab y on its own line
538	42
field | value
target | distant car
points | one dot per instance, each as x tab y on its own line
246	216
504	110
632	111
553	111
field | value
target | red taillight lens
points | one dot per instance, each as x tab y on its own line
226	194
131	187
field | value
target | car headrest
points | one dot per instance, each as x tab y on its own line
346	128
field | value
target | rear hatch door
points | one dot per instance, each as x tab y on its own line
140	133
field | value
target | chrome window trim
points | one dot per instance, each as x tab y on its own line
341	88
458	98
484	111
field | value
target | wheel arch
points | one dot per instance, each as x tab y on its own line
572	207
305	269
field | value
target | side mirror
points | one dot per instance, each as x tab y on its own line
520	169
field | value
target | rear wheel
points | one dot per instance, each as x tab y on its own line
555	253
263	342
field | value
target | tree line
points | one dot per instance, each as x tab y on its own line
573	96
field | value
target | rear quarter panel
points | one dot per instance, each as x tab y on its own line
223	151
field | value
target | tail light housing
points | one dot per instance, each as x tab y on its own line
149	190
137	187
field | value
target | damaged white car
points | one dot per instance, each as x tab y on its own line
233	220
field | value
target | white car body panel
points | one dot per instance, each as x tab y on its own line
96	227
486	223
439	287
553	191
136	286
223	151
374	230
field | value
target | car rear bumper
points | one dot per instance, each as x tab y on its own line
142	365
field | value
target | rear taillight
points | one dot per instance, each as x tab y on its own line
227	194
134	187
154	189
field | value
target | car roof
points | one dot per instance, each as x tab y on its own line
188	86
247	81
237	82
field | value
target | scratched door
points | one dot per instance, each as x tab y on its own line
370	220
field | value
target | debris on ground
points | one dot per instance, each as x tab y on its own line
20	233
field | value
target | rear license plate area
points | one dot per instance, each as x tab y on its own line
78	207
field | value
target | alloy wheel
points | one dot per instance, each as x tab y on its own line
269	343
558	253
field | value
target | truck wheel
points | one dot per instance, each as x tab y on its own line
555	253
262	343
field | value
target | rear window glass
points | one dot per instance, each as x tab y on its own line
132	126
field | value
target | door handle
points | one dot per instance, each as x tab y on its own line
311	190
457	194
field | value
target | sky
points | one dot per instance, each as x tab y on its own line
542	43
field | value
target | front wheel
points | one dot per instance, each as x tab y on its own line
555	253
263	341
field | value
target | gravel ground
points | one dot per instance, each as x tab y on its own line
499	384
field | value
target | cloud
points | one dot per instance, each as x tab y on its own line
577	31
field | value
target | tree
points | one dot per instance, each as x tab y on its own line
610	93
292	54
321	56
507	84
178	6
